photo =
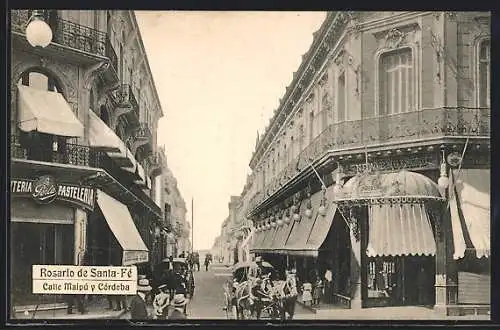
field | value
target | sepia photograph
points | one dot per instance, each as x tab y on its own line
169	166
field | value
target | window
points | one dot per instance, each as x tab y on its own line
484	73
341	98
396	85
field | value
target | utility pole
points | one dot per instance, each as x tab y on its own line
192	225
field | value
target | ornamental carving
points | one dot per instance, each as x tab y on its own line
394	38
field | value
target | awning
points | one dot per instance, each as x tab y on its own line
46	112
121	224
141	175
307	236
281	237
470	211
400	230
102	137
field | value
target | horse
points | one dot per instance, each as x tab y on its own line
287	293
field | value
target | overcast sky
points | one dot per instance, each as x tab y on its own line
219	76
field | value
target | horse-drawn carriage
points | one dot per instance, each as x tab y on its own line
266	296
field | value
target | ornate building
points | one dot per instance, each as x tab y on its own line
84	115
375	167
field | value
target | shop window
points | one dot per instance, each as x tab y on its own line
484	73
380	276
396	86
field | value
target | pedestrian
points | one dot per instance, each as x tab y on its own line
160	303
138	308
183	254
179	303
207	262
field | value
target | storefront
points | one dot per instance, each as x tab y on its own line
48	226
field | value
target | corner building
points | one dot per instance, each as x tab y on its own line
392	111
84	115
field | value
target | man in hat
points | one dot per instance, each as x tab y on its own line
138	308
161	302
179	303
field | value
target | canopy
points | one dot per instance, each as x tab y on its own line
470	211
122	226
46	112
102	137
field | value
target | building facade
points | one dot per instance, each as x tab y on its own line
174	209
373	173
84	115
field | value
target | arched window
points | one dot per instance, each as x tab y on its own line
396	87
484	73
42	146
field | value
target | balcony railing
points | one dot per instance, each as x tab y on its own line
125	97
402	127
68	153
66	33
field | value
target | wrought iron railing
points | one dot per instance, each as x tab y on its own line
124	96
64	153
144	132
416	125
66	33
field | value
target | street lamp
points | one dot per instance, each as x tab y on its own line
38	32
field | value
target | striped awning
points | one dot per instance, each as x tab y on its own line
469	193
308	234
400	230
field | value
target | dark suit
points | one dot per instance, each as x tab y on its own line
177	315
138	309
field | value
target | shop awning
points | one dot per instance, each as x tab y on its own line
307	236
121	224
46	112
259	241
141	175
399	230
470	211
102	137
281	237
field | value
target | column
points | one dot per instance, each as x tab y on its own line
446	283
80	240
358	235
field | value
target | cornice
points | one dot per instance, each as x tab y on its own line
326	39
146	61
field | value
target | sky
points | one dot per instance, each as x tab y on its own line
219	77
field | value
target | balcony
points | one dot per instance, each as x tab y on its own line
155	161
124	99
87	41
388	132
142	136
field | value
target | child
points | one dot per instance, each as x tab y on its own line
317	291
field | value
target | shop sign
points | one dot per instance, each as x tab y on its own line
134	257
45	190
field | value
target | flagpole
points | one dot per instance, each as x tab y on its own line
192	224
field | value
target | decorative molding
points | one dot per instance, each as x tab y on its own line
92	71
394	38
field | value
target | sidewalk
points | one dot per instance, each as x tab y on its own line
97	309
383	313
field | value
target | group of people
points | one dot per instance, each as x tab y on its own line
161	303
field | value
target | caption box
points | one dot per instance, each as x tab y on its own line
107	280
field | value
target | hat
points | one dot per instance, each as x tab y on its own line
143	285
258	259
162	286
179	300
